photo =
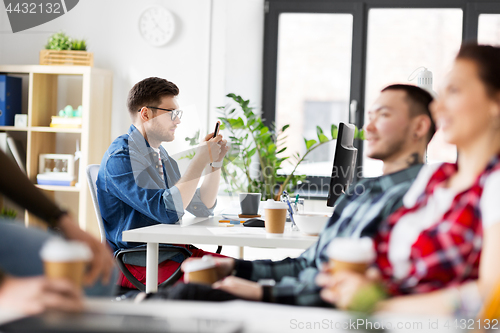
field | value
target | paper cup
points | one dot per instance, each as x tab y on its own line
351	254
275	216
201	271
65	260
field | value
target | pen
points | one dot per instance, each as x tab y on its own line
290	210
296	199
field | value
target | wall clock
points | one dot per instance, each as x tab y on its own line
157	25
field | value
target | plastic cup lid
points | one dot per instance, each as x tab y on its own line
271	204
356	250
200	264
60	250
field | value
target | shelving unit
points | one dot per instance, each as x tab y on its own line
46	93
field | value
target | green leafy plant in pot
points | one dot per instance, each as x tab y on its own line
7	213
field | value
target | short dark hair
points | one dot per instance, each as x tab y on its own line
487	59
149	92
419	101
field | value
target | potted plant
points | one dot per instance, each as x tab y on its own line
254	163
9	214
63	50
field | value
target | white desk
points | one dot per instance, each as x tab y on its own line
259	317
207	231
251	317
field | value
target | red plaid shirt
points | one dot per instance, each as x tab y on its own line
448	252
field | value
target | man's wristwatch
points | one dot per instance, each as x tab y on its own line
267	289
216	164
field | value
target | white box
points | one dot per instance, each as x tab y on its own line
21	120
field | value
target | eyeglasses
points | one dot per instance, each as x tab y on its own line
173	115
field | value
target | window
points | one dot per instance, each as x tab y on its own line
312	89
424	37
319	56
489	29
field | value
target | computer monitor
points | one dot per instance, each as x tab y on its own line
344	163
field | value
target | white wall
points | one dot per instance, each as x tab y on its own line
206	66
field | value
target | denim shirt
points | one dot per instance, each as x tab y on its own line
131	192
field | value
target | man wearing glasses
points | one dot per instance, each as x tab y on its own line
139	184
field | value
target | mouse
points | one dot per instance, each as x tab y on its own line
253	223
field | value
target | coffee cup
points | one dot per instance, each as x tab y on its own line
201	271
249	203
65	260
275	216
351	254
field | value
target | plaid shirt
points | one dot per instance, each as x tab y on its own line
357	213
448	252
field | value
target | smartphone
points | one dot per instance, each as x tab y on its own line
216	132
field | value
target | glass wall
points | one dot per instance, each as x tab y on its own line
489	29
399	42
313	77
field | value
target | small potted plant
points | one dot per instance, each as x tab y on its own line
8	214
63	50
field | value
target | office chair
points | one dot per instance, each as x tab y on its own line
135	256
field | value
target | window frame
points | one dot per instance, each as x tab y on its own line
359	9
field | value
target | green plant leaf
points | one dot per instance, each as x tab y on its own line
309	143
194	140
264	130
58	41
335	131
252	152
271	148
284	128
8	213
281	138
281	150
361	135
323	138
356	132
79	45
236	123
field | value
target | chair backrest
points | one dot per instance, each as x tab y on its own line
92	171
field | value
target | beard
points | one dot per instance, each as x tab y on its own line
390	149
159	133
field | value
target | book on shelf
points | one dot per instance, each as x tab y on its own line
14	149
66	122
10	99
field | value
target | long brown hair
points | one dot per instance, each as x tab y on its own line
487	60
